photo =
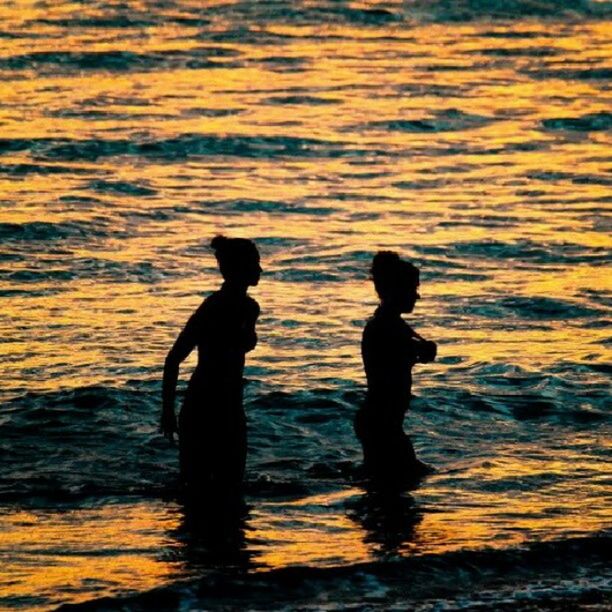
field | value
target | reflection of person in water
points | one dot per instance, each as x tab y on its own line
389	518
390	347
211	424
212	535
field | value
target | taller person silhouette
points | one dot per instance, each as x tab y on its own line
212	423
390	348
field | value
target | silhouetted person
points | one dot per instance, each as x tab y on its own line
390	347
212	424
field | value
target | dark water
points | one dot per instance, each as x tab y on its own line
472	136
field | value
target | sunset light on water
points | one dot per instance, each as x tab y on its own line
474	143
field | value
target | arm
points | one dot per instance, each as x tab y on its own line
183	345
425	350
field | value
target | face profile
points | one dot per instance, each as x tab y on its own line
409	296
253	272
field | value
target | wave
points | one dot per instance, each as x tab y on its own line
57	268
104	441
384	15
85	435
299	100
451	119
561	574
517	51
586	123
23	169
584	74
43	231
539	309
121	188
184	146
548	176
476	10
525	252
267	206
45	62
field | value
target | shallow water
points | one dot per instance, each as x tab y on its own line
474	139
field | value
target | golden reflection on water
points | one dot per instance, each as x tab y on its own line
80	554
426	190
446	515
123	548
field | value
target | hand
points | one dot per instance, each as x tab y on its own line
427	351
167	425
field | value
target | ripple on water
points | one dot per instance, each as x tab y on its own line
451	119
524	251
187	145
438	90
586	74
284	63
25	169
111	21
68	62
121	188
495	431
337	267
300	100
518	51
474	10
37	231
585	123
271	206
550	176
539	309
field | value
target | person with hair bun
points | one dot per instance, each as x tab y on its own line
390	348
212	424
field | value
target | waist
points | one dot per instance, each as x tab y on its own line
388	400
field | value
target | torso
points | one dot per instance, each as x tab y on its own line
224	331
388	356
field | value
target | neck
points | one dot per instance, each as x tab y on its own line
234	287
389	309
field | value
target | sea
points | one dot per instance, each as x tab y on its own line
470	136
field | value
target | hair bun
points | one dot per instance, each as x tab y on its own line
218	242
384	260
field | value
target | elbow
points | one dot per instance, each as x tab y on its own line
429	352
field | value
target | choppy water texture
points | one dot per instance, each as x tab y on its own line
472	136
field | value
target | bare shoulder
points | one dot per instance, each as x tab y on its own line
207	307
207	303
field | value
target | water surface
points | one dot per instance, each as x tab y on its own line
474	140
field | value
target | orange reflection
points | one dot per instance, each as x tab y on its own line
135	265
79	554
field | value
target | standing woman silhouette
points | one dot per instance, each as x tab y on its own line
212	423
390	348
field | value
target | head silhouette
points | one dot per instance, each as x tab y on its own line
396	281
238	260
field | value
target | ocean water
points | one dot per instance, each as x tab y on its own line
471	136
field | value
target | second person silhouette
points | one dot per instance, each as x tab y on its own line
390	348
